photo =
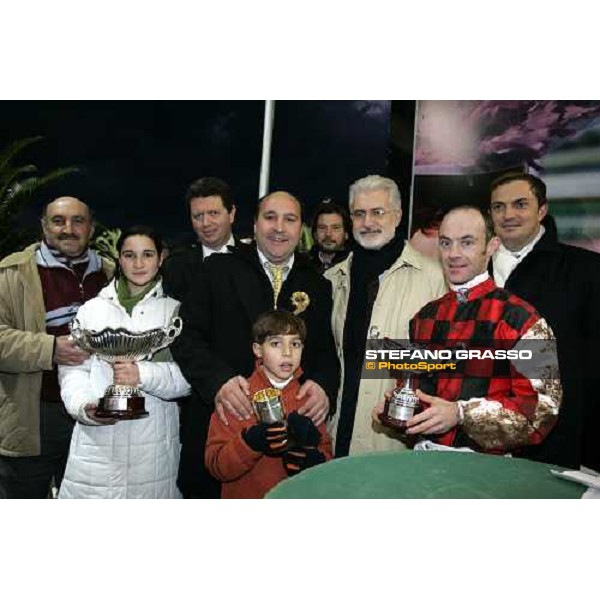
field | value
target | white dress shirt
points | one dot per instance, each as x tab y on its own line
206	251
505	261
265	261
470	284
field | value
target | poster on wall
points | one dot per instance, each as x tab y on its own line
461	146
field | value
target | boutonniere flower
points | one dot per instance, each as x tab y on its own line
300	300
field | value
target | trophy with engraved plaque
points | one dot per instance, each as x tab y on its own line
404	402
402	406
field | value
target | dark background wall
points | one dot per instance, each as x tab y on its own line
136	158
321	147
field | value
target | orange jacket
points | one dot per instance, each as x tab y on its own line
244	472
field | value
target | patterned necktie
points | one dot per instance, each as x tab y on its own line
462	295
277	272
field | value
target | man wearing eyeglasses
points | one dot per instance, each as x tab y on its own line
376	291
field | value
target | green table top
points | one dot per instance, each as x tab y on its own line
439	474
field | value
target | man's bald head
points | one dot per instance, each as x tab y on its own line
281	195
277	226
68	225
67	199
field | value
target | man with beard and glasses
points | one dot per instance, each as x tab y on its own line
214	349
41	289
331	228
376	291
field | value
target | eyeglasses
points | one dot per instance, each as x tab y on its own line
374	213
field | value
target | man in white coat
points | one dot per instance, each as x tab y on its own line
376	291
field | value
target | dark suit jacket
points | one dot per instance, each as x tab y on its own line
180	270
563	283
182	267
216	342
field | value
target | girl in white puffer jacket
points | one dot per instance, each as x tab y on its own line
128	458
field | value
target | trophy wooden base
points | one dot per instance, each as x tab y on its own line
122	407
398	424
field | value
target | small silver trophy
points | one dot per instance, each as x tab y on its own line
402	406
115	345
404	403
268	406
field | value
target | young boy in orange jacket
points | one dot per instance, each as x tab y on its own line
251	457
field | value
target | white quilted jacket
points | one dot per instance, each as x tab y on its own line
130	459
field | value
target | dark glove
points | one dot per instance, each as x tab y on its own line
298	459
266	438
302	431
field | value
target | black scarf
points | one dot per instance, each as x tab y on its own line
367	266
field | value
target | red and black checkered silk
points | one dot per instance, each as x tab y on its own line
491	318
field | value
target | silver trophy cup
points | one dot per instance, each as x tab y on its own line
115	345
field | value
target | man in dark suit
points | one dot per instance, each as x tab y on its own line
211	207
212	213
214	350
563	283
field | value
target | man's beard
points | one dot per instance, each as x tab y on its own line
375	243
331	250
